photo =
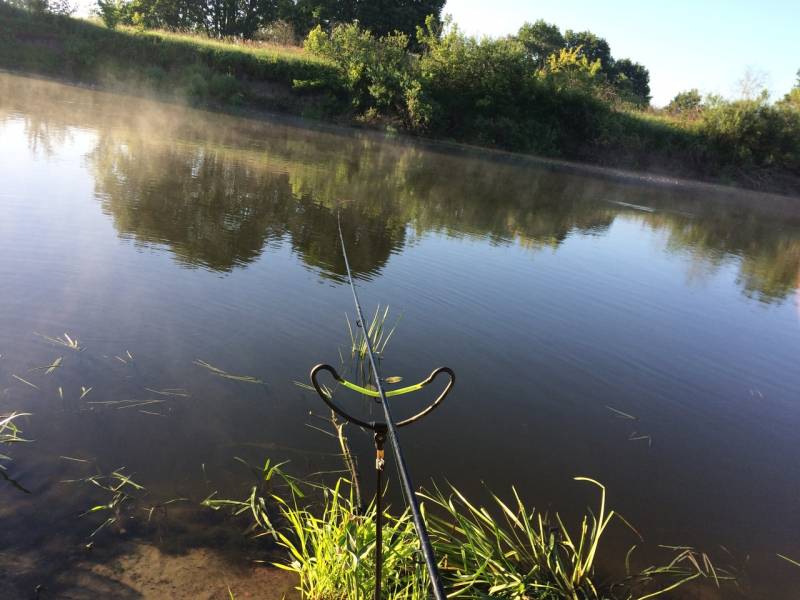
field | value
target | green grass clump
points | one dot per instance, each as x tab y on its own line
507	552
333	553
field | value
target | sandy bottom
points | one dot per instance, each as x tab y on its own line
143	571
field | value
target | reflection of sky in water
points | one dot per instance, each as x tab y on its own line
552	296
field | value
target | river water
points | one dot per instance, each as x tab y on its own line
644	335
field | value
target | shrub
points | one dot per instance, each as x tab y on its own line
376	71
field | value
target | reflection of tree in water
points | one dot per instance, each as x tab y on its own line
217	211
232	185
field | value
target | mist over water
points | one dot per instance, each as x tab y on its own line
158	236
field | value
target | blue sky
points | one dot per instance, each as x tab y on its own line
706	44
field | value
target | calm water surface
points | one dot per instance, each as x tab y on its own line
158	236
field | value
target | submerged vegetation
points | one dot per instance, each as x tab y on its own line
541	91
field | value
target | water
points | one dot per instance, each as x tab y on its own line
158	236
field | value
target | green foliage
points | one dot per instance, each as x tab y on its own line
541	39
110	12
686	103
571	70
576	102
376	71
504	552
753	134
53	7
632	81
333	553
591	46
381	17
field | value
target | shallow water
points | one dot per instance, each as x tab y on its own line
158	236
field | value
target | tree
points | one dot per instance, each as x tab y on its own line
110	12
752	84
541	39
687	102
56	7
591	46
632	80
381	17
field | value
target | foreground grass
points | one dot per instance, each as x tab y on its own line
505	551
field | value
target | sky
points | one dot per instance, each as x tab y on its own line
705	44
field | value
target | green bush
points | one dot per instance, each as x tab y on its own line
753	133
376	71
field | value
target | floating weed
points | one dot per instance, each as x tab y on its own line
789	560
221	373
119	490
121	404
137	404
621	415
148	412
180	392
66	340
161	507
25	381
73	459
48	369
687	565
10	432
637	437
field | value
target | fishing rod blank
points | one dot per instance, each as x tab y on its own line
384	430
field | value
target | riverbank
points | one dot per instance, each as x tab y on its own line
253	78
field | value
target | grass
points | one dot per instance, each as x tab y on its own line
224	374
187	67
509	551
10	432
378	331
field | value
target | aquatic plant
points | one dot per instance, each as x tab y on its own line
119	491
10	432
224	374
789	560
255	505
379	334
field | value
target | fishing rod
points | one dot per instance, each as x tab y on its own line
388	429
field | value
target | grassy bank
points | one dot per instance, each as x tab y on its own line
184	67
457	88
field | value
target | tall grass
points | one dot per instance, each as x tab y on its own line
509	552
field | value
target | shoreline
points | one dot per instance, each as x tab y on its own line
774	203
